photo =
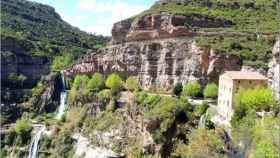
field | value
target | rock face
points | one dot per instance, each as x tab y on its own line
274	71
15	59
163	25
159	63
49	98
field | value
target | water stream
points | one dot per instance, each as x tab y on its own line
61	109
35	142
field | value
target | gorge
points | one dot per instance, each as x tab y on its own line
148	92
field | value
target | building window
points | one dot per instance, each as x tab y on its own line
238	81
250	82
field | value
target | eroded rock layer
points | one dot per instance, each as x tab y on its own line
159	63
164	25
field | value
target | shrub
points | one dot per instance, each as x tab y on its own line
202	143
95	83
211	91
191	89
132	83
23	130
22	126
104	96
177	90
38	89
80	81
115	83
200	109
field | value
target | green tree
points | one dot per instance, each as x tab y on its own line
177	90
62	61
257	99
95	83
114	82
211	91
132	83
192	89
80	81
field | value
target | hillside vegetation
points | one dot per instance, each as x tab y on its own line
257	18
43	30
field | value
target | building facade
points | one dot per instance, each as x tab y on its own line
229	84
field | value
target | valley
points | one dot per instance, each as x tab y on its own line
183	79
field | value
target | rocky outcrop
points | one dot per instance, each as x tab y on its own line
16	60
49	97
274	71
159	63
163	25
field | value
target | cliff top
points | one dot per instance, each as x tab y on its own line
249	16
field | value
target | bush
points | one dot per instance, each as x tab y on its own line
115	83
191	89
202	143
200	109
132	83
23	130
104	96
177	90
211	91
22	126
80	81
95	83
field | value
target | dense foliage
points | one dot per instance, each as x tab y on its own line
248	100
252	17
248	16
40	31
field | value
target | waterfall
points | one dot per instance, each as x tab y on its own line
63	99
35	142
202	121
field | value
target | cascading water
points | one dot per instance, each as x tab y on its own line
63	97
35	142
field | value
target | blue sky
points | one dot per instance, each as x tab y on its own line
97	16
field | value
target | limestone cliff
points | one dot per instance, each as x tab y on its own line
159	63
274	71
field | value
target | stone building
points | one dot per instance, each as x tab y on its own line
229	83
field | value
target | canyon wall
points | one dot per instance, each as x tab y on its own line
160	63
160	49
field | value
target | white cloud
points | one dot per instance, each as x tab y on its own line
116	11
